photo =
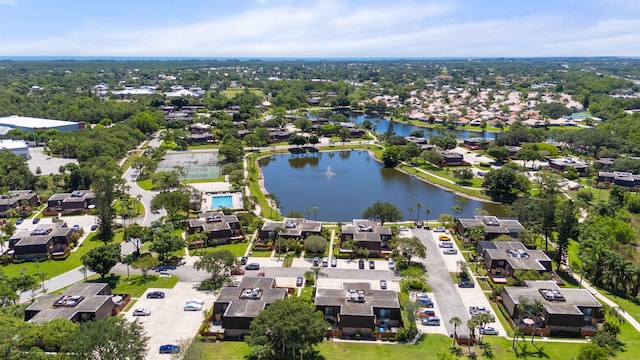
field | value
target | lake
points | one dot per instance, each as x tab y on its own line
342	184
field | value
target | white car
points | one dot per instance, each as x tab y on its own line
402	228
195	301
488	330
439	229
450	251
141	312
446	244
192	307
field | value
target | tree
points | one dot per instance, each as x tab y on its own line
391	156
412	308
504	184
173	202
445	219
286	329
463	175
567	225
144	264
500	153
411	247
137	235
112	338
418	207
476	233
536	308
315	244
427	212
383	212
316	272
164	243
592	352
411	213
432	156
102	259
218	264
105	182
471	325
456	321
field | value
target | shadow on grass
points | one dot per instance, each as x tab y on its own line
530	351
114	279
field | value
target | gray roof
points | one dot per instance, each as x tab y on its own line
41	234
248	307
387	299
213	221
45	305
573	298
516	254
493	225
16	196
293	226
365	230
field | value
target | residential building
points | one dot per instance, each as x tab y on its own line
80	303
493	226
451	158
43	242
368	235
503	258
298	228
23	201
561	164
618	178
565	311
220	228
476	143
236	307
357	309
75	202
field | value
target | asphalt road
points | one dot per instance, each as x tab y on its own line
445	291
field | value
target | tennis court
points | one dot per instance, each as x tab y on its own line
197	165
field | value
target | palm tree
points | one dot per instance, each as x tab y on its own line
523	307
457	209
427	212
536	308
471	325
418	206
456	321
410	213
315	213
279	241
516	334
482	319
317	272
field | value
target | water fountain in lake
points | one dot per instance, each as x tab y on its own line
329	173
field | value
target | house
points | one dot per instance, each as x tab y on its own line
503	258
619	178
565	311
298	228
220	228
605	163
75	202
80	303
236	307
357	309
493	226
562	164
476	143
277	135
451	158
23	201
368	235
45	241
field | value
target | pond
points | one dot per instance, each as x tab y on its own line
402	129
342	184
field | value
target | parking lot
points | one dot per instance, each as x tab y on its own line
168	322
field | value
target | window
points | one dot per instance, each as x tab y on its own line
385	313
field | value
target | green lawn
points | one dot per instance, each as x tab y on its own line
231	93
145	184
54	268
136	285
238	249
132	157
258	253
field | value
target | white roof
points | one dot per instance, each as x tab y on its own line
15	120
12	144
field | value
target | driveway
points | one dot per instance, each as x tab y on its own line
168	322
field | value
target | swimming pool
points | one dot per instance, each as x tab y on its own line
222	201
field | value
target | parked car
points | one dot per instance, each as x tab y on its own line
195	301
334	262
299	281
446	244
252	266
475	310
466	284
372	264
450	251
261	274
402	228
360	264
237	271
35	220
19	221
419	224
488	330
75	227
427	314
440	229
444	238
325	262
243	260
169	349
316	261
431	321
392	264
94	227
155	295
428	303
383	284
164	274
141	312
192	307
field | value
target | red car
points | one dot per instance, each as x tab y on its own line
237	271
260	274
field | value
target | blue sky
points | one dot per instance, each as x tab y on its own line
320	28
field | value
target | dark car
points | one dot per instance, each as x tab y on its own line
316	261
252	266
19	221
237	271
383	284
155	295
465	284
360	264
169	349
299	281
243	260
35	220
372	264
94	227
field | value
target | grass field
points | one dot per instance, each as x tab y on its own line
136	285
238	249
231	93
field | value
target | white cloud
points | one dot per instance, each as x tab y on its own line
332	28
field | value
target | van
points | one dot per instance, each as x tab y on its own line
325	261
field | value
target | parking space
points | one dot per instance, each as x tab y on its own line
168	322
429	329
